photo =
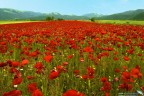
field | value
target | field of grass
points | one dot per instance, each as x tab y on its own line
121	22
10	22
71	58
132	22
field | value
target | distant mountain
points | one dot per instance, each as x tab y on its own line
91	15
58	15
128	15
10	14
139	16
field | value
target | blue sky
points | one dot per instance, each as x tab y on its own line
77	7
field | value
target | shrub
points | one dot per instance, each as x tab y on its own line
49	18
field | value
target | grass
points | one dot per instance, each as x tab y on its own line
10	22
84	59
132	22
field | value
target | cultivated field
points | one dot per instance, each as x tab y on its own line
132	22
71	58
12	22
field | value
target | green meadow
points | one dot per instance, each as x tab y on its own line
121	22
11	22
132	22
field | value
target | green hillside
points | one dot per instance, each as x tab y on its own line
11	14
128	15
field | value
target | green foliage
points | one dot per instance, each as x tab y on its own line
60	19
128	15
93	19
131	22
49	18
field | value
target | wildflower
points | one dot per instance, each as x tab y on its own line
24	62
48	58
12	93
15	63
39	66
37	92
125	86
126	58
53	74
90	72
73	92
32	87
88	49
81	59
30	77
136	73
104	79
70	56
2	64
117	70
17	81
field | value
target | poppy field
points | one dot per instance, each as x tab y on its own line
71	58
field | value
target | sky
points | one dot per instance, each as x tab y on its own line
74	7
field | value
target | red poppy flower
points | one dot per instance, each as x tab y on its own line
76	72
126	58
124	68
104	79
136	73
54	74
85	77
32	87
13	70
39	66
115	58
73	92
13	93
18	75
2	64
17	81
139	54
30	77
65	63
90	72
126	43
15	63
37	92
48	58
70	56
24	62
125	86
88	49
106	86
81	59
117	70
60	68
107	94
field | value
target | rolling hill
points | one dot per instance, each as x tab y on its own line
91	15
128	15
58	15
12	14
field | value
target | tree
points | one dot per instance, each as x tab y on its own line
59	19
93	19
49	18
